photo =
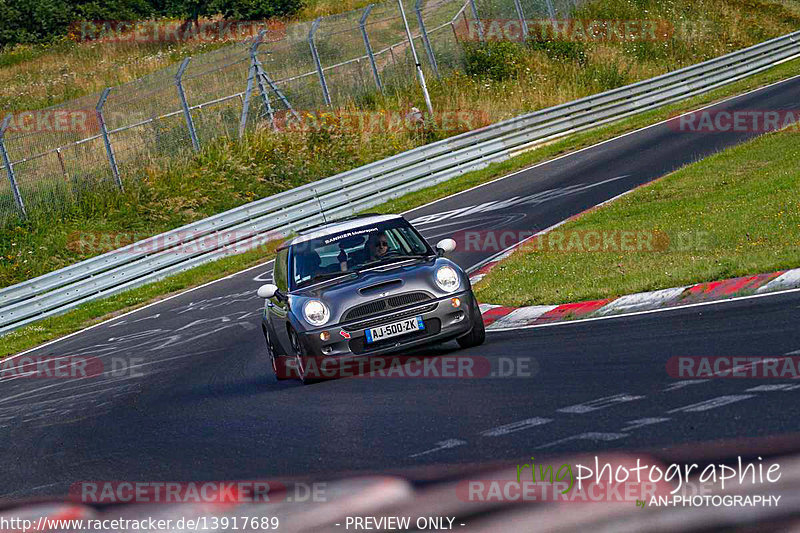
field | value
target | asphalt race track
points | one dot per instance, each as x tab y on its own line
189	394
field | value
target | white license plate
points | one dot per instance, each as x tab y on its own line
408	325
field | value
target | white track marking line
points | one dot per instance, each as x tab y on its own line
591	435
642	422
549	161
442	445
513	427
600	403
713	403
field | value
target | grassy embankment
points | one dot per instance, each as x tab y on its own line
731	214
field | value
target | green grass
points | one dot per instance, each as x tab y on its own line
731	214
94	312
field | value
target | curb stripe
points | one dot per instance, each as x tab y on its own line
501	317
491	315
573	310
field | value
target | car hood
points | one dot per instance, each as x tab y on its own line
383	282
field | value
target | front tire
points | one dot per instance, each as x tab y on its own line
300	358
477	334
273	357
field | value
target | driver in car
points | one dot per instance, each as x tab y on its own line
378	246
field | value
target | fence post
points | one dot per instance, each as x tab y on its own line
256	70
478	23
250	77
420	74
9	169
363	25
263	76
521	16
425	41
104	131
551	10
186	111
325	95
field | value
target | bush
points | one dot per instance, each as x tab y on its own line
494	60
41	21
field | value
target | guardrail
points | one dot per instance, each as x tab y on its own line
350	192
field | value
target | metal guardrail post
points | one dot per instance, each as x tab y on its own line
187	113
521	16
474	8
420	74
425	40
12	179
325	95
363	25
104	131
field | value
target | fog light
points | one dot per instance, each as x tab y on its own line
324	336
455	302
458	317
327	349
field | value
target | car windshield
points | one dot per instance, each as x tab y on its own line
353	249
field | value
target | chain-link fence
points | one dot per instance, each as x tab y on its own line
71	152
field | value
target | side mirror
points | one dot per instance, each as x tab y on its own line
267	291
445	246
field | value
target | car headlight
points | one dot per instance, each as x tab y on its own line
316	313
447	279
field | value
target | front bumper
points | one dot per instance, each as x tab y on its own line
443	321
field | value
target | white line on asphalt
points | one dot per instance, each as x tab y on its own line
600	403
713	403
442	445
513	427
593	436
681	384
642	422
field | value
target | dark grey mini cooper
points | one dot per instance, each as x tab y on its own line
365	286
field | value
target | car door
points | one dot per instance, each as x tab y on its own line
277	309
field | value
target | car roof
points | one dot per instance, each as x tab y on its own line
337	226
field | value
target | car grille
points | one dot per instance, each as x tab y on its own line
379	306
391	317
359	345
